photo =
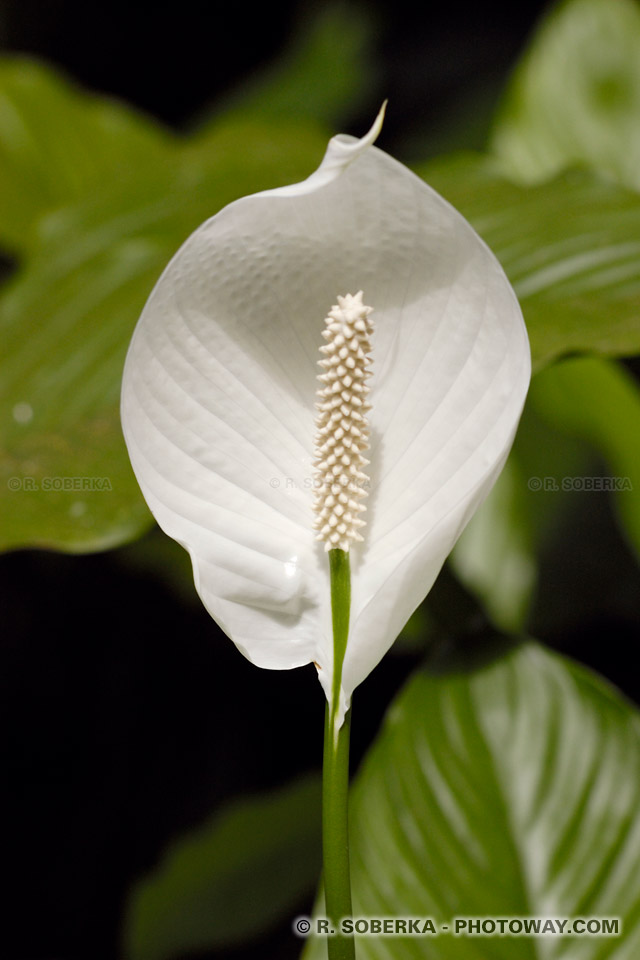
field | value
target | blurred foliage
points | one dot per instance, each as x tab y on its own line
60	145
496	556
325	73
508	786
575	96
505	783
249	867
598	401
499	554
579	419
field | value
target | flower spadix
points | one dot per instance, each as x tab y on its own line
219	403
343	428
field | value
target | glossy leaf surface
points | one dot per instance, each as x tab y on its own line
570	247
505	788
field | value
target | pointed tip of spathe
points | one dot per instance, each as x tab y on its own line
372	134
344	149
379	120
376	126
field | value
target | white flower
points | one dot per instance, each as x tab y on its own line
220	384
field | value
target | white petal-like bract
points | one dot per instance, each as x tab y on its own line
220	384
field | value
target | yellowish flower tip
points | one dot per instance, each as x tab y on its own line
343	429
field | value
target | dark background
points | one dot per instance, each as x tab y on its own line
126	715
174	59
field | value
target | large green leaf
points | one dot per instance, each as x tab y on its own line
235	877
570	247
66	318
59	144
575	98
508	788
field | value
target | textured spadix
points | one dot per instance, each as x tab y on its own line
220	385
343	427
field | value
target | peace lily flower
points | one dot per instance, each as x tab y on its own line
219	403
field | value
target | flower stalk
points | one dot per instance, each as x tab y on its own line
335	773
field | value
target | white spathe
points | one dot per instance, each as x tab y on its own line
220	383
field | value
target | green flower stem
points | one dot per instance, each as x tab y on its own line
335	777
335	836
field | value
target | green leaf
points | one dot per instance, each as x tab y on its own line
570	247
59	144
598	401
575	97
509	787
235	877
66	319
